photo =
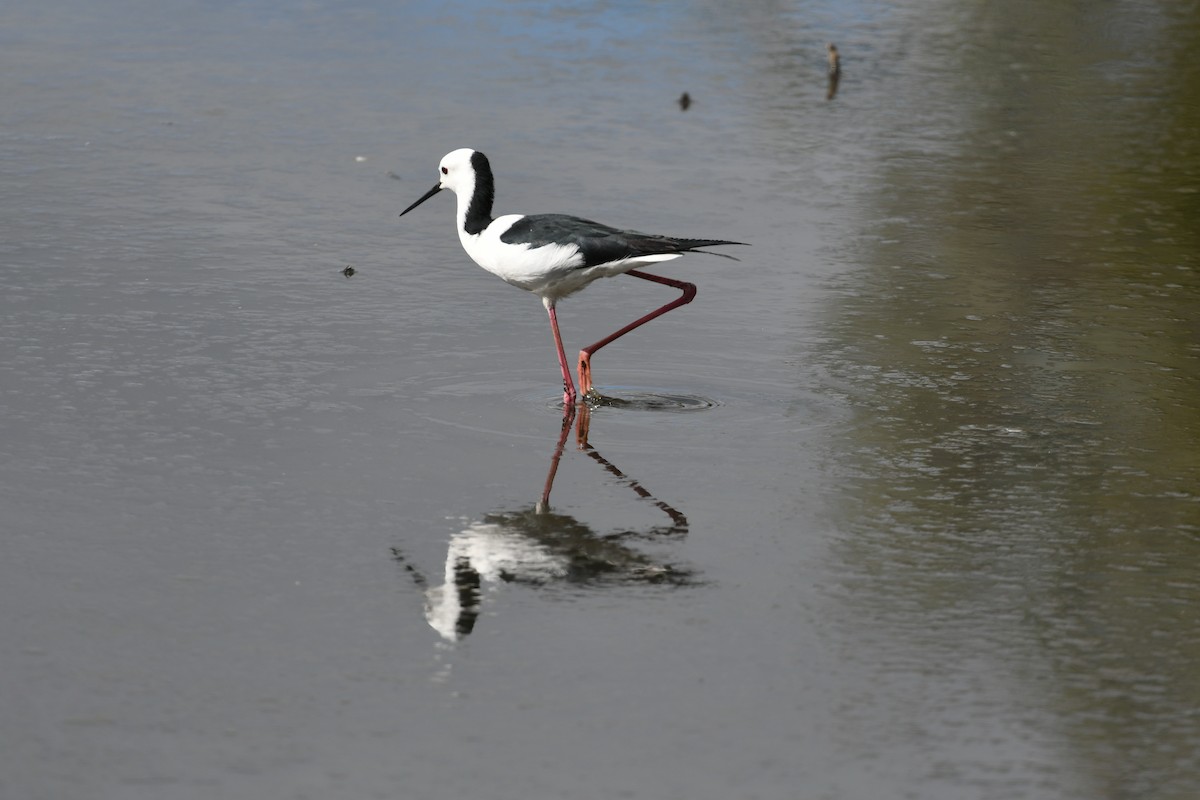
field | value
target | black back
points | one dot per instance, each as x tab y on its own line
597	243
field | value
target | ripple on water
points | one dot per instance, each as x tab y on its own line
493	386
634	399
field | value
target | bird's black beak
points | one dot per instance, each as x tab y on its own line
437	188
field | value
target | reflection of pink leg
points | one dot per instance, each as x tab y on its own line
585	355
583	426
581	439
581	420
568	418
568	387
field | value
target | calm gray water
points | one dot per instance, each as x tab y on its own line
920	518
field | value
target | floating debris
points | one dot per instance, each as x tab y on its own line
685	101
349	271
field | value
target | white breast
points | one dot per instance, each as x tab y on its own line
535	269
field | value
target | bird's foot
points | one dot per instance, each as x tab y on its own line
594	399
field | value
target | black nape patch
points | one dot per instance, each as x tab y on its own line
479	212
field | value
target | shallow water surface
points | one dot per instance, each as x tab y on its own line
903	505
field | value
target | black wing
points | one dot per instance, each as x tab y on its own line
597	243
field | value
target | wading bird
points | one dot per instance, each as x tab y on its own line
554	255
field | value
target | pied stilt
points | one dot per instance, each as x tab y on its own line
554	255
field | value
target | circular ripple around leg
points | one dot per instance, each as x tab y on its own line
635	399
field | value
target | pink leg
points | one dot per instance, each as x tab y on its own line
568	387
585	355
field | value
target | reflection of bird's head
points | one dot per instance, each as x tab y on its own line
487	551
452	609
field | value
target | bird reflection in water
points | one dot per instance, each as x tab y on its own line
537	546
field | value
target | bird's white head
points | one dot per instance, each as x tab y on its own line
456	170
460	171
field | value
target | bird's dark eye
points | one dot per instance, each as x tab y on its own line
445	171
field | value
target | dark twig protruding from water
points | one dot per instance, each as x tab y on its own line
835	70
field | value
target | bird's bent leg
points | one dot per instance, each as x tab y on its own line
585	355
568	388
